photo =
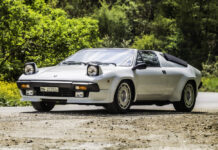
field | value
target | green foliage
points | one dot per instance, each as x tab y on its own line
75	8
9	95
196	20
36	32
113	24
147	42
187	29
42	31
210	69
210	84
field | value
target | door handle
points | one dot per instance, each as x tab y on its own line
164	71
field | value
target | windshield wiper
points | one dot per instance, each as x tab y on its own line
102	63
73	63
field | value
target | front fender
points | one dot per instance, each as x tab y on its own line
112	80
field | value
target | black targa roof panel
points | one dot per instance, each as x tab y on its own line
174	59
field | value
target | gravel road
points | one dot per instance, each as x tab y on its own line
90	127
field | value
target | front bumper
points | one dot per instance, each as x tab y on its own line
66	94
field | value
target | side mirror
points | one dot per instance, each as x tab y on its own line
140	66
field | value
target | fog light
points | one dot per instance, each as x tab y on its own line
79	94
29	92
79	87
25	86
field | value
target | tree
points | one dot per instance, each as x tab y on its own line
36	32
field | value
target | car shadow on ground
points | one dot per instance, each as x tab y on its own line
103	112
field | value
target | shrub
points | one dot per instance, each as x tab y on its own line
36	32
210	69
209	84
9	95
147	42
210	76
113	25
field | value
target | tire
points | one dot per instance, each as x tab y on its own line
122	99
188	100
43	106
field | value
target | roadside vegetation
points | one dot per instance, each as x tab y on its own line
210	76
9	95
47	31
209	84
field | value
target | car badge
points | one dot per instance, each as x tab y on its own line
55	76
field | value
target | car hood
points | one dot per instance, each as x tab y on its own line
68	72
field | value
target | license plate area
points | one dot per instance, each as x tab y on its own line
49	89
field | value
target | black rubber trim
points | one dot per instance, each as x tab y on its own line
174	59
44	84
152	102
91	87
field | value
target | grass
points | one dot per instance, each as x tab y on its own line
209	84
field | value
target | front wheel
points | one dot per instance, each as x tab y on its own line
122	99
43	106
187	102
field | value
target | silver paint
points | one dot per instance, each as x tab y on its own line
150	83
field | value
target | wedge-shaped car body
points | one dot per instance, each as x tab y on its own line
113	78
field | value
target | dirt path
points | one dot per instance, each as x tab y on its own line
82	127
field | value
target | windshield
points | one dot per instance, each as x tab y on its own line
119	57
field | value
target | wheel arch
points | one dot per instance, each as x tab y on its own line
132	85
177	94
180	105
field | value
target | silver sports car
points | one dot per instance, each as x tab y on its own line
115	78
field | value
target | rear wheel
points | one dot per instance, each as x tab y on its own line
187	102
43	106
122	99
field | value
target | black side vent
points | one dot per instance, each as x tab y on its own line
174	59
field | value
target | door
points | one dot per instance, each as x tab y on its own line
151	81
174	77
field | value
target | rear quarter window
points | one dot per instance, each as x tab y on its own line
166	63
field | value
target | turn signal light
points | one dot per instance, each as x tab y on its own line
83	88
25	86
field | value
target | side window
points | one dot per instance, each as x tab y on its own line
139	59
148	57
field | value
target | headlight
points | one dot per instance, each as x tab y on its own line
30	68
92	70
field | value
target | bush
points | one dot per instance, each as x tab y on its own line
209	84
210	76
210	69
147	42
34	31
9	95
113	25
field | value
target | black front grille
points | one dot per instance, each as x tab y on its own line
65	89
63	92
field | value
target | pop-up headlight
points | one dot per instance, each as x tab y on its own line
30	68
